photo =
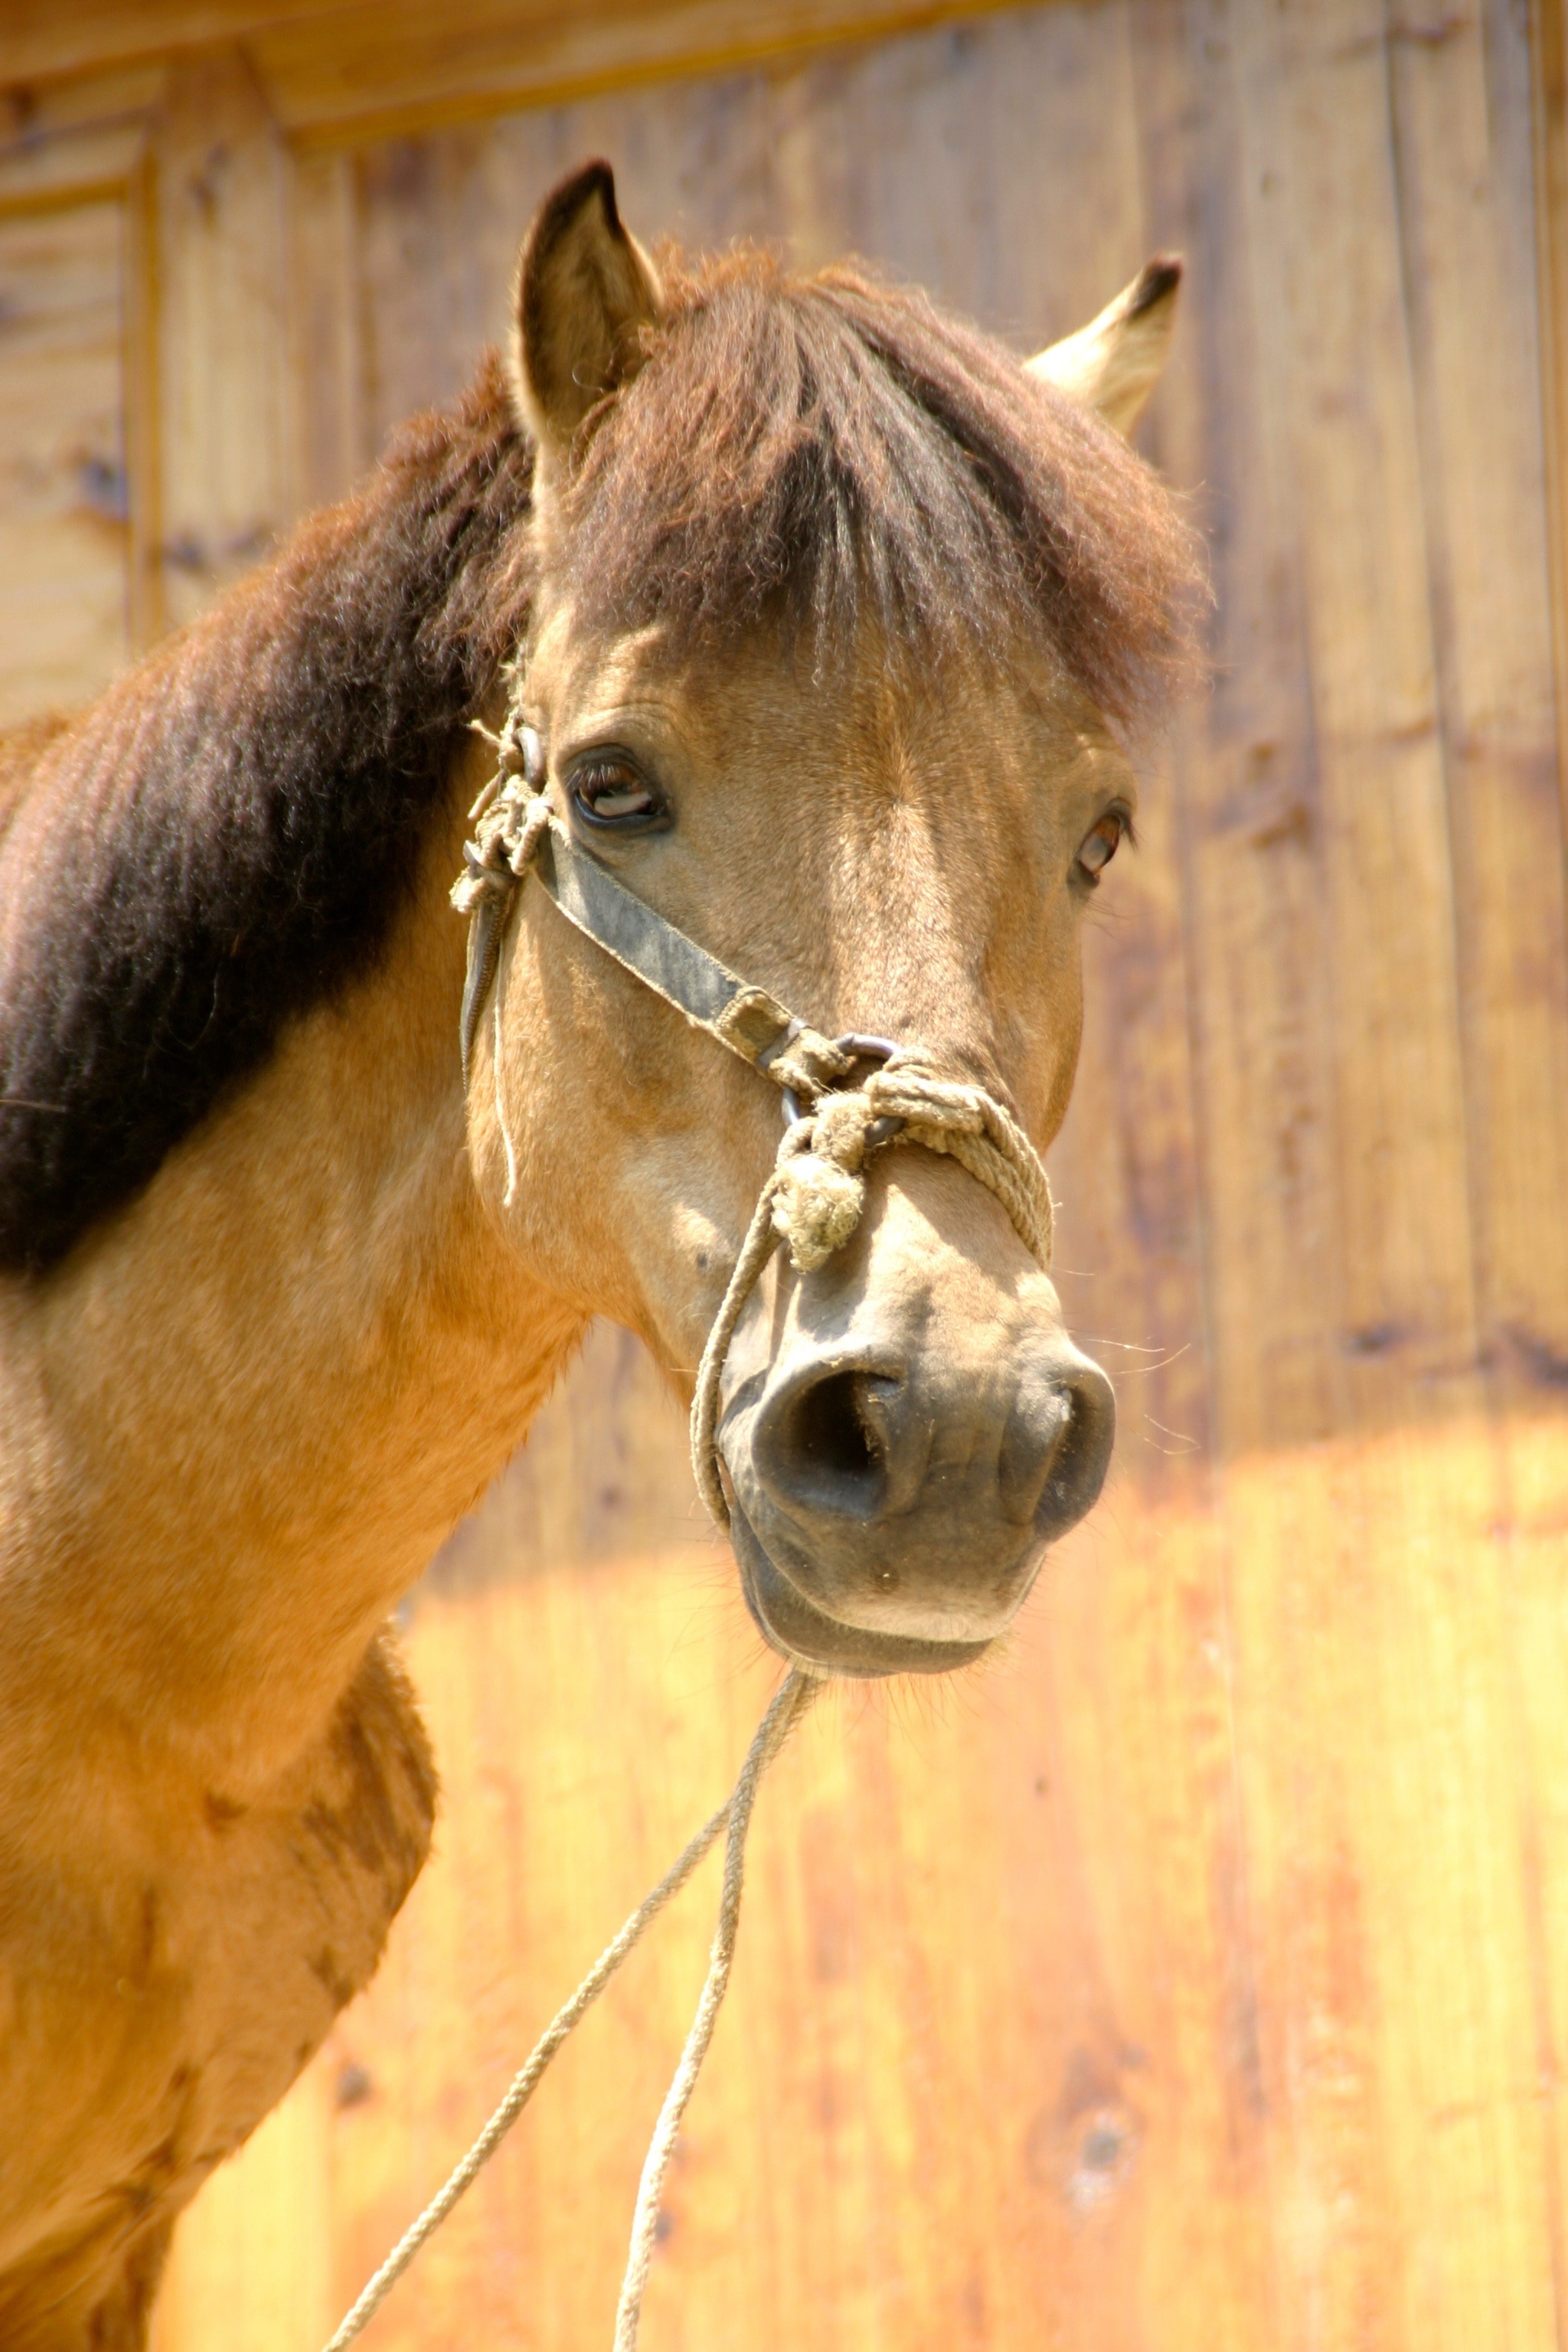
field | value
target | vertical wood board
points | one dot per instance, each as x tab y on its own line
228	412
64	494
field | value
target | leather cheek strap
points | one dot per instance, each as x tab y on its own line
753	1023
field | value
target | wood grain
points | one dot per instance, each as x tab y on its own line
226	458
1465	208
64	495
1548	111
363	68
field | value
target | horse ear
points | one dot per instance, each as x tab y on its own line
1113	363
585	288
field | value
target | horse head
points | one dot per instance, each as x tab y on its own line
840	623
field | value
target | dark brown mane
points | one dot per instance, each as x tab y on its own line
223	838
832	444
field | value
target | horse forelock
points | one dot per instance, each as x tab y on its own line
832	447
224	838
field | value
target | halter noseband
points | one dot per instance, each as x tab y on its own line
814	1198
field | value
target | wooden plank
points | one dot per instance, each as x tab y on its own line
226	458
1248	826
1041	217
381	70
438	229
1530	1541
102	97
1548	93
90	35
1331	314
1461	106
142	403
87	145
335	442
64	499
1468	202
44	174
334	65
1321	1123
1376	1719
1339	325
1003	170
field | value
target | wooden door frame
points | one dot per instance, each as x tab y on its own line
343	70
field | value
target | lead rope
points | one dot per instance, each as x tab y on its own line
813	1202
790	1702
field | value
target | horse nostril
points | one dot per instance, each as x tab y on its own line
823	1446
1081	1453
830	1427
846	1445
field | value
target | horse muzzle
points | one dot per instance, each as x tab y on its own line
916	1439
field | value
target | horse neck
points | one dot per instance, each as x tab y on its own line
248	1409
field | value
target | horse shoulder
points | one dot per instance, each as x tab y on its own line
165	2001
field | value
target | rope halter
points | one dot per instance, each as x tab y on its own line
835	1119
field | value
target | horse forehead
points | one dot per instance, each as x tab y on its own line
569	665
873	686
975	755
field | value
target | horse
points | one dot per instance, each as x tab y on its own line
830	629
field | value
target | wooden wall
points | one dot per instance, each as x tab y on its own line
1196	1976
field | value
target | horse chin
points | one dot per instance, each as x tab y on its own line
808	1636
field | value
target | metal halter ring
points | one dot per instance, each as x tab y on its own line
865	1049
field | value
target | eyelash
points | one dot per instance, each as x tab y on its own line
616	778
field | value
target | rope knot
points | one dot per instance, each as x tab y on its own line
509	818
819	1185
506	842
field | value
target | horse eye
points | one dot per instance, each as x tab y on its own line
610	791
1101	845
